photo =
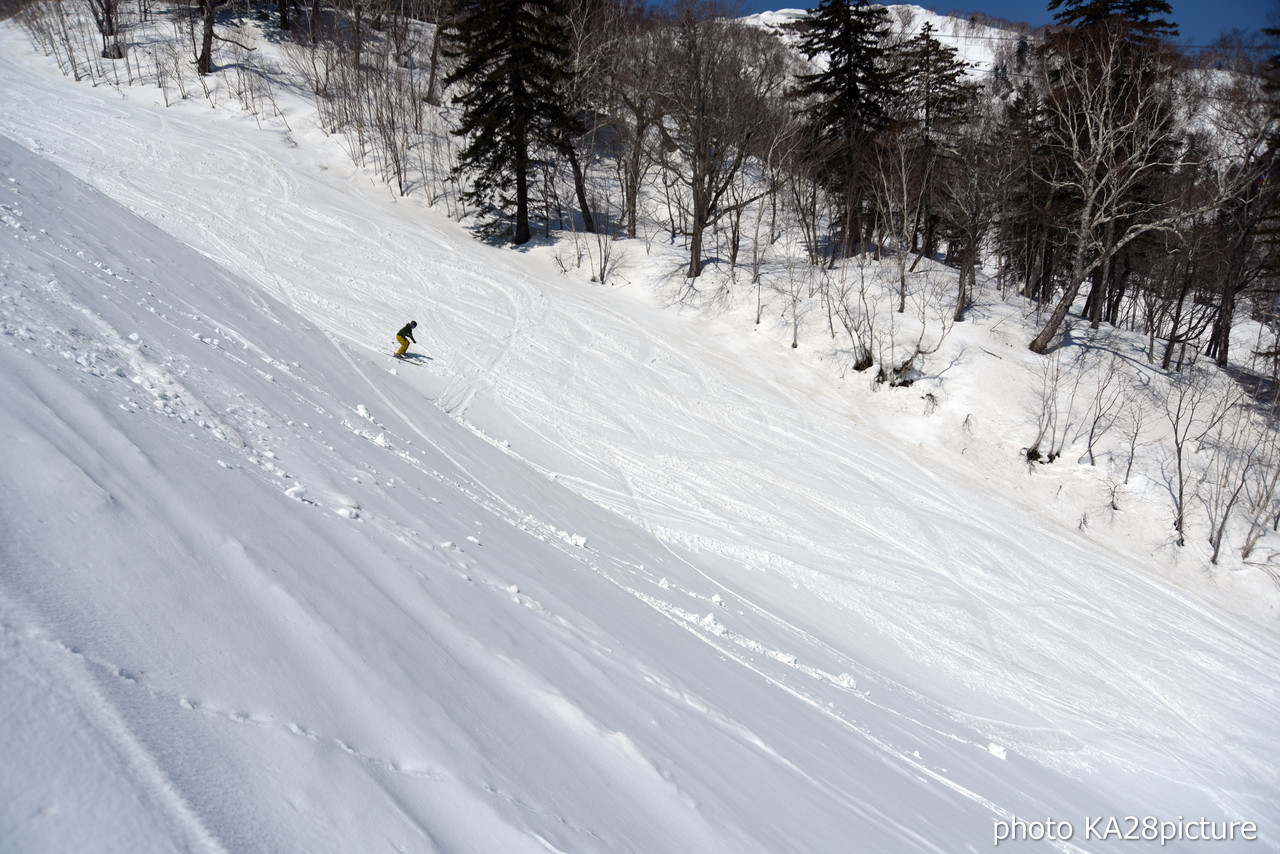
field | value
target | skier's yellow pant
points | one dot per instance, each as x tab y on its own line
404	345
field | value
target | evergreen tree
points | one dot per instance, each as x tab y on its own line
513	72
931	104
1029	224
846	102
932	93
1143	18
850	94
1250	220
1268	185
972	179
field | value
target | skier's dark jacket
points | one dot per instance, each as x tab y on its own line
407	332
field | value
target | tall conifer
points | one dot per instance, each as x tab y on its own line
846	101
512	77
932	101
1145	18
934	94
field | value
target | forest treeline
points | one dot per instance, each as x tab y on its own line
1092	159
1093	169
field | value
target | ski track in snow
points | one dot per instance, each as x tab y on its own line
833	568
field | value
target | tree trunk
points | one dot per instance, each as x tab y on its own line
735	237
204	62
432	97
1040	344
1093	302
968	277
698	216
1115	299
521	166
695	253
631	190
580	187
1103	276
1079	271
1174	335
1220	342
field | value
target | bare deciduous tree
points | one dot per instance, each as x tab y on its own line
718	89
1105	402
1111	126
1059	384
1193	409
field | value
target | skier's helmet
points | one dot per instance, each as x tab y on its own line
413	323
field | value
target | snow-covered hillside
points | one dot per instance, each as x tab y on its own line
588	576
975	43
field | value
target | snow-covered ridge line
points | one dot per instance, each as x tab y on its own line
975	43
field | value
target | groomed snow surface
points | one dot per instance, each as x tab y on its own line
592	574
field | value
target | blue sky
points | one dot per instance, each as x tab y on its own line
1199	21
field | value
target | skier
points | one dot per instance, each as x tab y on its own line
404	336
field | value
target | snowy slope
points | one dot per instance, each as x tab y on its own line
975	44
586	579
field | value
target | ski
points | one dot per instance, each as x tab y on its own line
409	358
